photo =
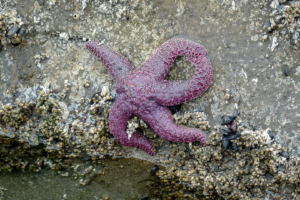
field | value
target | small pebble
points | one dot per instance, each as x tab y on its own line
286	71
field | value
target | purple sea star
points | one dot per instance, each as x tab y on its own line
145	93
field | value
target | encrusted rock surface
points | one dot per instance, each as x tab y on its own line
55	96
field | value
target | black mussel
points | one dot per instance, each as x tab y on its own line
12	31
174	109
280	20
227	119
284	154
225	143
234	146
145	198
233	137
267	26
224	130
153	170
22	30
233	127
271	134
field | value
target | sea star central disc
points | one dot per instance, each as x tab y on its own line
144	92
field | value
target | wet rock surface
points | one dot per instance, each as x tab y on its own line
50	117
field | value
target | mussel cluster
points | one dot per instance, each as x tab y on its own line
229	132
271	24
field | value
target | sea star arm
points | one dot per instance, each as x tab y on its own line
161	121
169	93
115	62
159	63
118	117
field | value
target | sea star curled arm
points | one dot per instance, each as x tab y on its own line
145	93
120	113
170	93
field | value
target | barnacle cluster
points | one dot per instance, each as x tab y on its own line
259	168
258	165
101	102
120	9
13	116
194	120
42	127
39	57
292	11
284	23
11	26
133	124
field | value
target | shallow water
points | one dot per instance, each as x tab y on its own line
127	182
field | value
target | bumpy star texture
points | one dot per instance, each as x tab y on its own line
144	92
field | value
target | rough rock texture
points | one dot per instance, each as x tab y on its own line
49	116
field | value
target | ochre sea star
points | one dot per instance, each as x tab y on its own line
144	92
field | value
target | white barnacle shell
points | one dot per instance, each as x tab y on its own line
105	91
274	4
65	113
